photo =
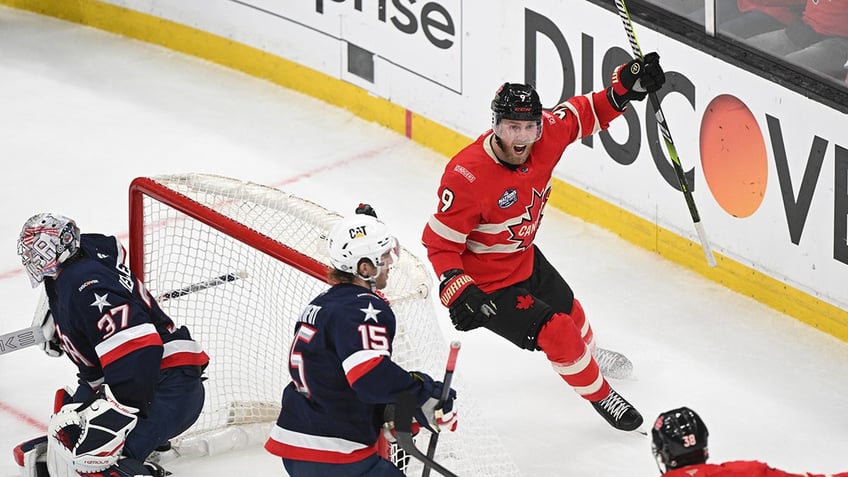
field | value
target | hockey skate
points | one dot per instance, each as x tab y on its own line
613	364
619	413
128	467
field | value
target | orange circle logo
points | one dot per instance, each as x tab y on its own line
733	156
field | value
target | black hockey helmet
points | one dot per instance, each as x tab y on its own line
516	101
679	439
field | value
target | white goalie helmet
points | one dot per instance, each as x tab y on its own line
46	241
360	237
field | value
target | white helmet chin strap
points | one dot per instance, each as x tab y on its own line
372	281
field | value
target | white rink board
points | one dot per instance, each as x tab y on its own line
769	387
452	85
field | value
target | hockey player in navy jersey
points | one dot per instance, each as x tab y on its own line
139	375
340	362
491	200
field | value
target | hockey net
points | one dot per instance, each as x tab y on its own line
244	259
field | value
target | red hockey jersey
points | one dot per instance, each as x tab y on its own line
488	213
737	469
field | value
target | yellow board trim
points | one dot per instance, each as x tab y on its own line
570	199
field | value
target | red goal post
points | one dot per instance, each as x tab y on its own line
271	246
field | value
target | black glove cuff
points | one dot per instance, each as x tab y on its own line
450	274
618	103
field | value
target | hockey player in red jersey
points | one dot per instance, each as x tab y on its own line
680	446
480	240
343	376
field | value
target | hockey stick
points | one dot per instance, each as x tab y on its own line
434	437
669	143
21	339
33	335
404	410
195	287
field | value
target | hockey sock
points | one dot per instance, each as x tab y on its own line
582	324
571	359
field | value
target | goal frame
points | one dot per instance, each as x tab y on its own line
277	227
142	186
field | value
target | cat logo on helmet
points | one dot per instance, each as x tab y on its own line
359	237
358	232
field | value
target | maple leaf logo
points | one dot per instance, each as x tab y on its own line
524	302
524	230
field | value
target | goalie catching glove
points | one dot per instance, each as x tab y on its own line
470	307
633	80
88	438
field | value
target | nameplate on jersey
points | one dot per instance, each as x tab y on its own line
310	314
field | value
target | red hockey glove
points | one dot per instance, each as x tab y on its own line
635	79
470	307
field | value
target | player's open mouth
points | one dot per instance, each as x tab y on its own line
519	149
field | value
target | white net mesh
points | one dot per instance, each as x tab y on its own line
250	257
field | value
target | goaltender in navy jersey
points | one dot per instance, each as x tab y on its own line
111	328
342	375
489	213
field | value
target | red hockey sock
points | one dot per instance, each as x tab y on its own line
581	323
571	359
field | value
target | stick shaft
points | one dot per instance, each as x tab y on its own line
669	142
434	437
33	335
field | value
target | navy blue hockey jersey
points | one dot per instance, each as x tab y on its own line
342	376
111	328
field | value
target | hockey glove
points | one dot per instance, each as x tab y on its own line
635	79
389	430
432	414
470	307
88	438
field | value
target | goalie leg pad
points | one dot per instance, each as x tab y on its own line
31	457
62	397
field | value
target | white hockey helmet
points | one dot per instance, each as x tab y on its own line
360	237
46	241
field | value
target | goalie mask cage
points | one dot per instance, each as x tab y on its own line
271	246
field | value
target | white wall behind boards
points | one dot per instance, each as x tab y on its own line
769	166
